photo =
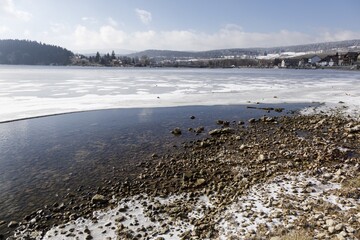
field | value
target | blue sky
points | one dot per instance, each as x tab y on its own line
87	25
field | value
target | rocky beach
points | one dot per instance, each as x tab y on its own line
287	177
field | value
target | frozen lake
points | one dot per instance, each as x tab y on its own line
28	91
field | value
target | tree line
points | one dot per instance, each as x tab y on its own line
113	60
26	52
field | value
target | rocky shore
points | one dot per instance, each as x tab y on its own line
267	178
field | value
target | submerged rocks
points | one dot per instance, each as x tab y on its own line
176	131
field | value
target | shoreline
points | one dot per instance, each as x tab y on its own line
216	166
83	160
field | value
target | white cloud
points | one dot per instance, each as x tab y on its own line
4	29
7	7
144	16
57	27
230	36
107	35
89	20
112	22
339	36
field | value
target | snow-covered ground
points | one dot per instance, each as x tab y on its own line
37	91
262	204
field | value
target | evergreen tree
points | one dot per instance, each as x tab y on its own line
113	56
97	57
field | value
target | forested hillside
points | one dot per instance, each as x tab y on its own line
32	53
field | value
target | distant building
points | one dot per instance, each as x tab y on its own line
303	62
289	62
314	60
330	61
350	58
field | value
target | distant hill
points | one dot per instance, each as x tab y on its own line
341	46
27	52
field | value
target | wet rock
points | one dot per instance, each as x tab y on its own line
199	130
176	131
99	199
13	224
220	131
215	132
252	120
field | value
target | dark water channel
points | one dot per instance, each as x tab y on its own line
42	159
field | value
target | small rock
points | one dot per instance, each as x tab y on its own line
13	224
187	175
2	222
331	230
261	158
275	238
350	229
215	132
176	131
330	222
199	182
199	129
99	199
192	117
165	230
339	227
89	237
252	120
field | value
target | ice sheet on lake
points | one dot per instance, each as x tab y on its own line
37	91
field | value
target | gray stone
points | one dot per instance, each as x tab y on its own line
339	227
99	199
176	131
350	229
331	229
330	222
252	120
200	182
13	224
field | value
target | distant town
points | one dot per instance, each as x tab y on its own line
348	60
336	55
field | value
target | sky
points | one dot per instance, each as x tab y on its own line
193	25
